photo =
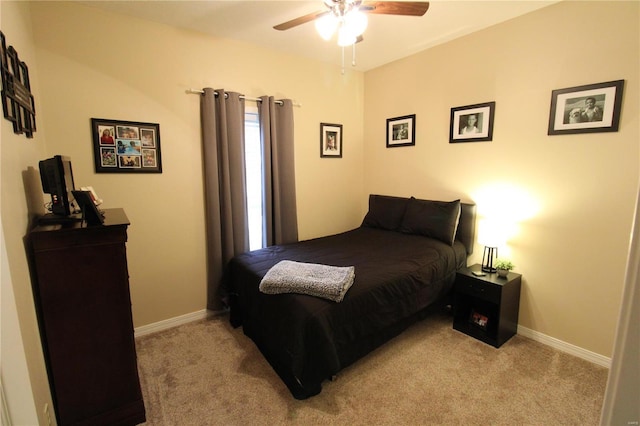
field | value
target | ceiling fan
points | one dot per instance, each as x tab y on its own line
348	17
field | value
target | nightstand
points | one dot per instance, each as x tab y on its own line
486	307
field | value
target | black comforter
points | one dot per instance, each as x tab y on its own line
308	339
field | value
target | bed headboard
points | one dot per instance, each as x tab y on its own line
467	226
389	212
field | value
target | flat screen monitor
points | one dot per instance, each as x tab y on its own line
56	175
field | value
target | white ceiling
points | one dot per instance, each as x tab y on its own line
387	38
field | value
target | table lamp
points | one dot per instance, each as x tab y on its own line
489	237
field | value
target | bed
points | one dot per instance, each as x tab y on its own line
405	255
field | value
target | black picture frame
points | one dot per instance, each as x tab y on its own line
401	131
330	140
592	108
90	213
472	123
126	146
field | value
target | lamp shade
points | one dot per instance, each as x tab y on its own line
490	233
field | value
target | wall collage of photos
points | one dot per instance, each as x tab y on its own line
126	146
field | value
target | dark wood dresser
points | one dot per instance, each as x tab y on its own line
81	290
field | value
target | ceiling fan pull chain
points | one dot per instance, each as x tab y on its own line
353	59
342	70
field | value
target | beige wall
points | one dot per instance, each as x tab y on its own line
86	63
23	372
570	245
96	64
578	191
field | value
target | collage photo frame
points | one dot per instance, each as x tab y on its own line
126	146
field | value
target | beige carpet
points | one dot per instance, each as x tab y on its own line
207	373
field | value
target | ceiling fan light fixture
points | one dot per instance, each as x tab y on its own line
352	25
350	21
345	36
326	25
356	22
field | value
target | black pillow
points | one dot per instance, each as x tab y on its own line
385	212
435	219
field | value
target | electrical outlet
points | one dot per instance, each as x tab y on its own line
47	413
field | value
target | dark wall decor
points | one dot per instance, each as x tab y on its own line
586	109
330	140
472	123
401	131
17	101
126	146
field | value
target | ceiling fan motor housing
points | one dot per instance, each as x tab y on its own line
341	7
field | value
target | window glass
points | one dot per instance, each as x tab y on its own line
253	172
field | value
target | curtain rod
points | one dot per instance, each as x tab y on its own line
246	98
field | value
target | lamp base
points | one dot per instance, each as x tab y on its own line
487	259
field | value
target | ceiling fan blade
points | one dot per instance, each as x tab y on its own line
300	20
408	8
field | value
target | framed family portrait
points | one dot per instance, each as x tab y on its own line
586	109
472	123
330	140
401	131
126	146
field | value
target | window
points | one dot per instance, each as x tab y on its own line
253	174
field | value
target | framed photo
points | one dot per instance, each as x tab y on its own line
90	212
472	123
330	140
126	146
401	131
586	109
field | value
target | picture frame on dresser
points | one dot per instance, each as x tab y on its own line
126	146
472	123
591	108
90	213
401	131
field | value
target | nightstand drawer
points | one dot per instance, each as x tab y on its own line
476	288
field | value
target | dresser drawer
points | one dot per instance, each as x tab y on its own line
477	288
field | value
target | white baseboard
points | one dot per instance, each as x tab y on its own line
565	347
523	331
172	322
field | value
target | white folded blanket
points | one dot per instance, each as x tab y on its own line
329	282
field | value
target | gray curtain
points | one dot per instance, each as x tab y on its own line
279	203
222	117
